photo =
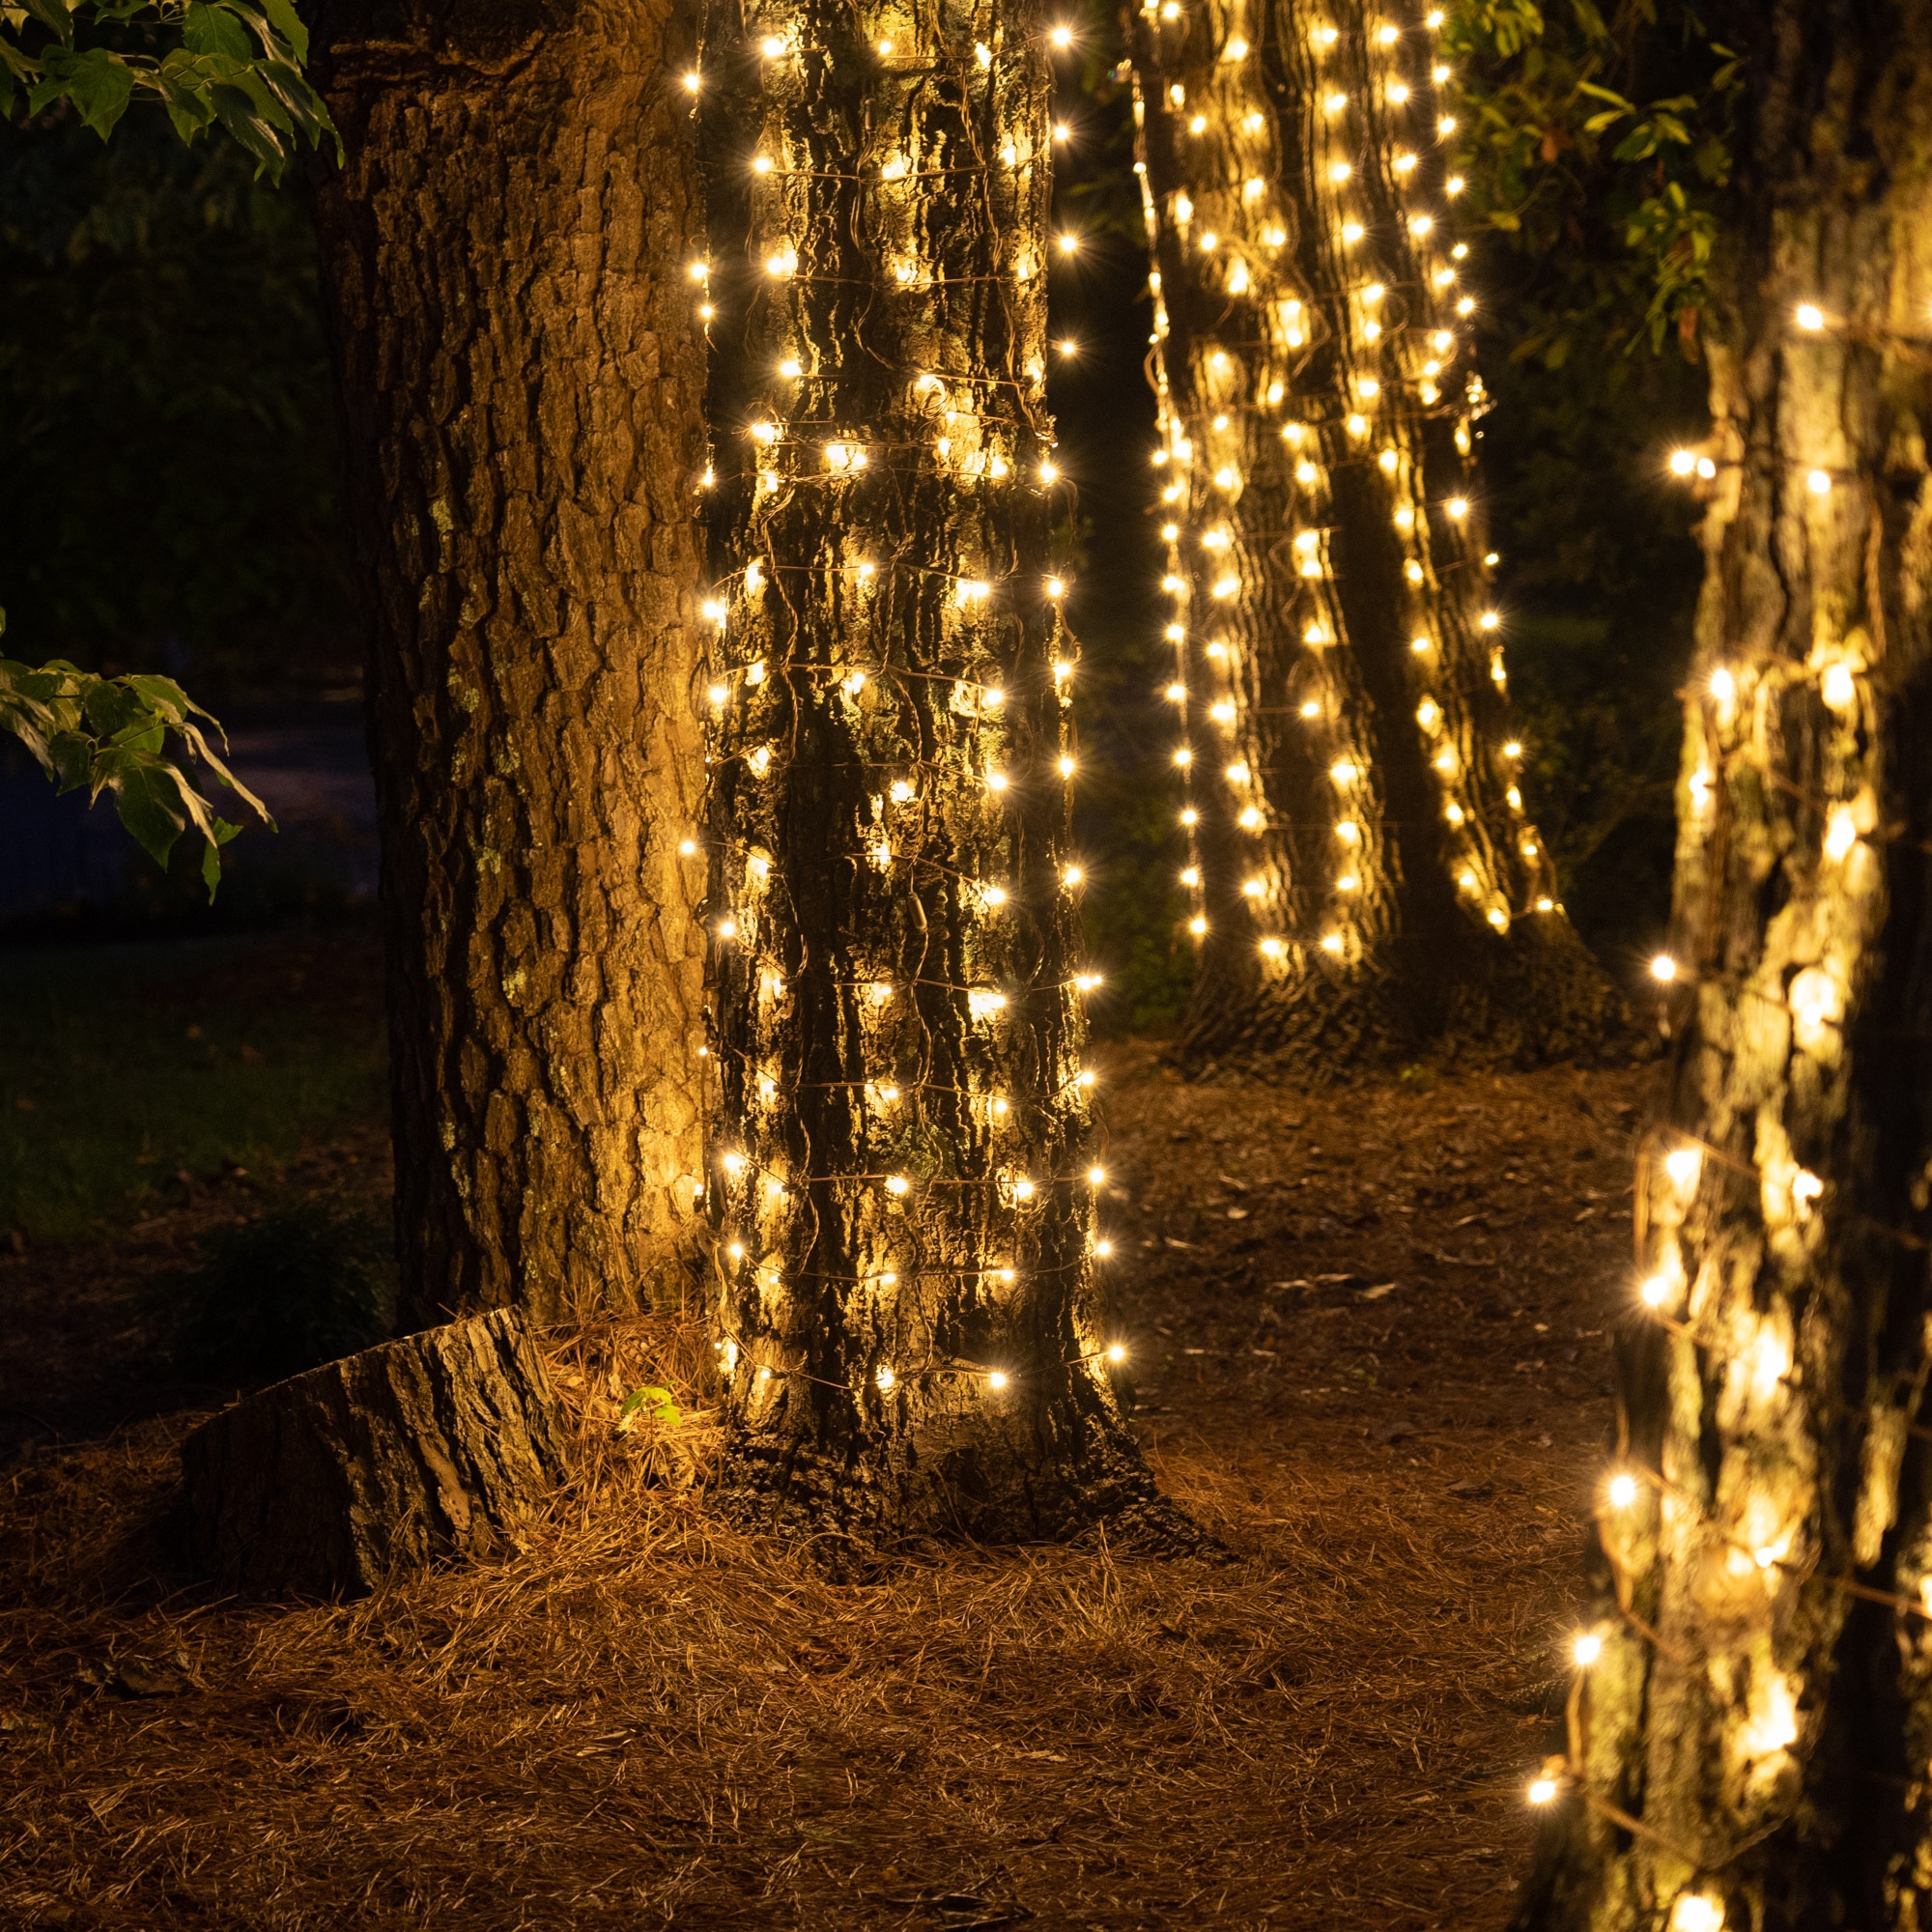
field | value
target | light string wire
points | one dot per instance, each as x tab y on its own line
813	448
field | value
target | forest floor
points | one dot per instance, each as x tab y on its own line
1371	1331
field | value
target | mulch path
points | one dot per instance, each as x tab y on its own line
1371	1334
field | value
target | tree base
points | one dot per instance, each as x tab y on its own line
1532	999
437	1445
957	1479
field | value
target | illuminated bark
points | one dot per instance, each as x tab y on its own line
900	1181
1366	881
1753	1746
503	255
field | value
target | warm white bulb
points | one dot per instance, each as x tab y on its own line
1810	317
1663	968
1683	462
1622	1491
1587	1648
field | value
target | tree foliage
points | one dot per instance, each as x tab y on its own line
209	62
111	734
1586	127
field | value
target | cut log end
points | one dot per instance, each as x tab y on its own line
438	1445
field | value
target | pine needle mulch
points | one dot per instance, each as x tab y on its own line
1370	1331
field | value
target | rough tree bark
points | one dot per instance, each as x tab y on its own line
1751	1747
433	1446
504	257
902	1199
1366	882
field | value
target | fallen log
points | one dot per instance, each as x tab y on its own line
436	1445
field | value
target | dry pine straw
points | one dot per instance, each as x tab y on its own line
648	1719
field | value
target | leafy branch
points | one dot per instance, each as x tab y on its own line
1553	150
230	64
111	734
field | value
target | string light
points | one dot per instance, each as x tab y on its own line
942	429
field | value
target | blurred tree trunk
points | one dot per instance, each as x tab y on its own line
901	1198
505	260
1751	1747
1366	883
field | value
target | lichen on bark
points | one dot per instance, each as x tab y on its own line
1367	884
906	1259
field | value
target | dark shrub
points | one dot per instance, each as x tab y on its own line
282	1293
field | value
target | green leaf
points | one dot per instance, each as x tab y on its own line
147	794
235	108
52	15
99	83
215	30
657	1400
288	23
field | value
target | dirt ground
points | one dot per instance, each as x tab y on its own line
1371	1336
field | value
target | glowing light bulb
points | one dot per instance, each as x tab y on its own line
1457	508
1196	926
897	1184
1062	37
1810	317
1682	1165
1622	1491
1542	1790
1655	1290
1819	483
1837	687
1190	875
1069	243
1663	968
1694	1912
1841	834
1587	1649
997	1380
1683	462
692	81
1116	1353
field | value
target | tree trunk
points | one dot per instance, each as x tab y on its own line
1750	1747
373	1467
503	257
901	1198
1366	883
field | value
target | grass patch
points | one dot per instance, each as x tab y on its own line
124	1068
